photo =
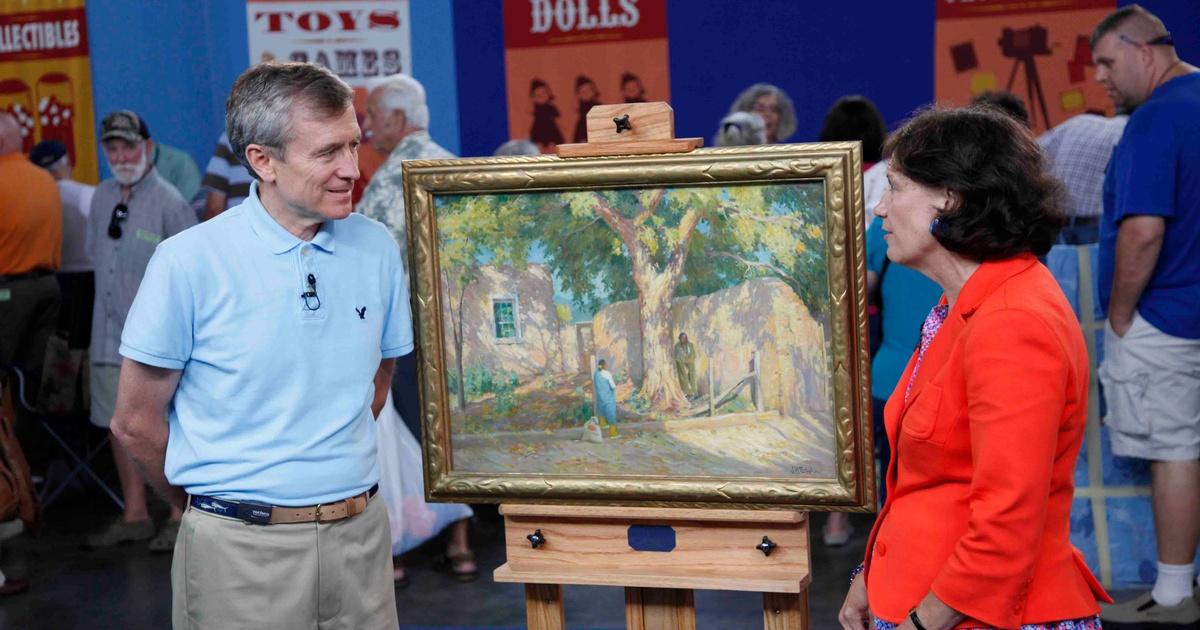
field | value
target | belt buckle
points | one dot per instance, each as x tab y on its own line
320	518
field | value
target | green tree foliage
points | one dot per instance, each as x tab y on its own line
475	231
623	244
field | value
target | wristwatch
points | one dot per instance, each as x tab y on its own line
912	616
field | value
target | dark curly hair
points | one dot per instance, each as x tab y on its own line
1006	102
1007	203
856	118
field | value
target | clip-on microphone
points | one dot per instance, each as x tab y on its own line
311	294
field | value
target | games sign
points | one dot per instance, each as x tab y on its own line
356	40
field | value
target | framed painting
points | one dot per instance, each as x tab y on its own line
664	330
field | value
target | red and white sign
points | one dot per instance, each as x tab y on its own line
562	57
357	39
45	77
530	23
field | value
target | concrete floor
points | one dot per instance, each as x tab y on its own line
130	588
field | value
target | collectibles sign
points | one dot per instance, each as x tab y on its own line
1036	49
565	56
356	39
45	77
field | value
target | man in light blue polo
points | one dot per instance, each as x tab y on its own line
267	336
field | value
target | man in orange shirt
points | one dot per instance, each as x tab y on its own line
30	251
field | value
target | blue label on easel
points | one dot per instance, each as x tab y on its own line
651	537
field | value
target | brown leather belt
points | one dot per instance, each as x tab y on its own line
262	514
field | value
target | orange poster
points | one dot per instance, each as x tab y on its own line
46	79
1036	49
562	57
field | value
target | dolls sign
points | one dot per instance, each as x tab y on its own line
564	57
567	15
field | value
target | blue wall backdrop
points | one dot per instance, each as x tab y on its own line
173	61
816	52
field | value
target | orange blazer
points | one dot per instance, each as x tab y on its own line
983	455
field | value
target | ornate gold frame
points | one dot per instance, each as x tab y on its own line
838	165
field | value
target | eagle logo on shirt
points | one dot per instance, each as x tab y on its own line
362	312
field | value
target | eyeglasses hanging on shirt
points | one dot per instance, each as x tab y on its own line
311	301
119	214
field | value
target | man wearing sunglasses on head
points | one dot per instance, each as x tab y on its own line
131	213
1149	280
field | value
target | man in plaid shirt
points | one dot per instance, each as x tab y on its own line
1079	150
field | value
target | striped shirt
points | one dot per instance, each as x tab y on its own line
225	174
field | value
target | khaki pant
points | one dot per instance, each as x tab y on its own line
228	574
1152	386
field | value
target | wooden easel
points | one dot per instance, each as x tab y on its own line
658	554
696	548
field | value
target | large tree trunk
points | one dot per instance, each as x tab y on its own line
655	289
659	383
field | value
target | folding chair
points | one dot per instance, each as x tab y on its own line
14	388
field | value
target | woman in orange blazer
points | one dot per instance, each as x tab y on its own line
987	420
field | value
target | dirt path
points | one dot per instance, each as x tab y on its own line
738	444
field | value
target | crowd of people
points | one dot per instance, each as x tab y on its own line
181	289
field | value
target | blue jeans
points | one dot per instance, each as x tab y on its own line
1080	231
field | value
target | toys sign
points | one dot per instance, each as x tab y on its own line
357	40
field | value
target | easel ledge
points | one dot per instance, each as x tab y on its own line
651	129
708	549
712	549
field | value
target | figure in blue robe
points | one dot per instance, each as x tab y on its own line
606	394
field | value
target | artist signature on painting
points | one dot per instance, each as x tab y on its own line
803	469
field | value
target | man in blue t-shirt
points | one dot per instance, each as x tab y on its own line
266	338
1150	283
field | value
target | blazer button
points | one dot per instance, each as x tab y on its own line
881	548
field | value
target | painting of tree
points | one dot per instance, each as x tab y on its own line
651	245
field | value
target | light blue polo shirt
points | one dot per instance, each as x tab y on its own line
274	403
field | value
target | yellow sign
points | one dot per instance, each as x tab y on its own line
46	79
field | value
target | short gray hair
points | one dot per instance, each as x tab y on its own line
787	111
741	129
404	93
1134	14
260	105
517	147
